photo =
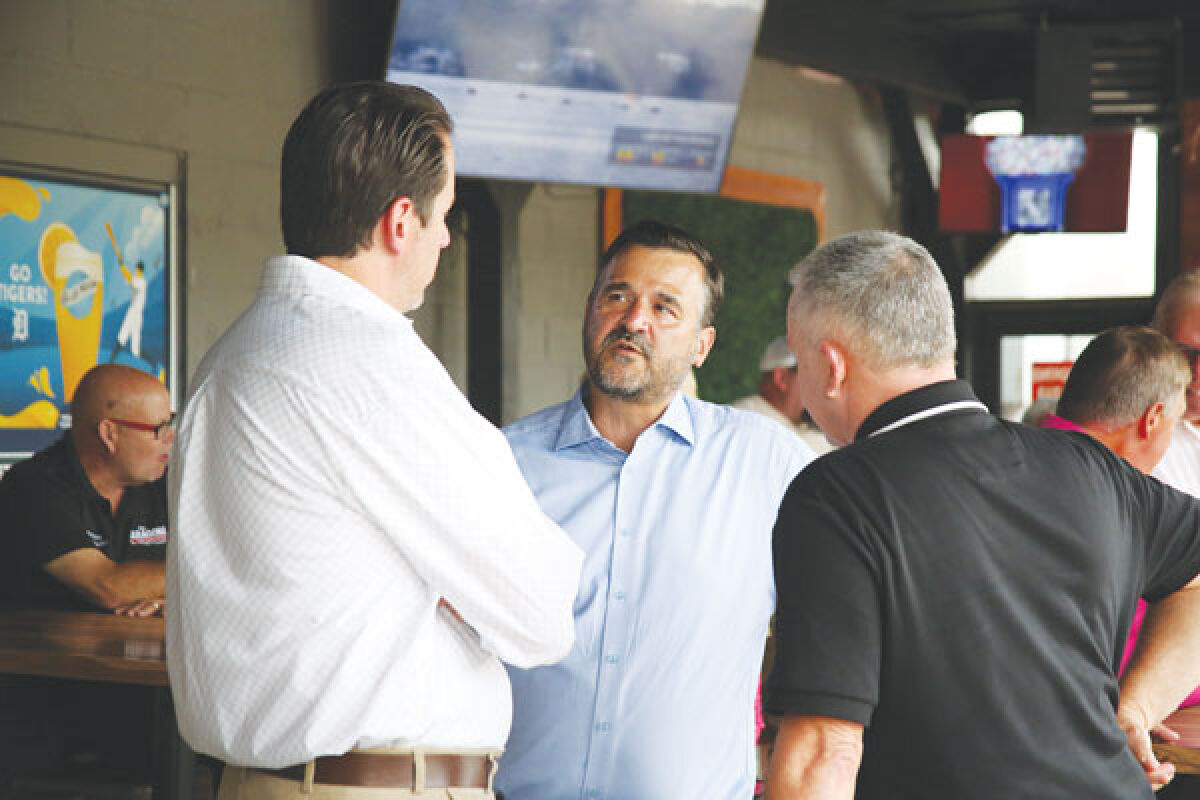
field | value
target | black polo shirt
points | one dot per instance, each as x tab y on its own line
49	508
963	587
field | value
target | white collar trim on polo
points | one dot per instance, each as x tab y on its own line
945	408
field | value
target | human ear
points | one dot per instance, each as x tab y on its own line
1151	420
781	377
836	366
398	223
107	431
708	335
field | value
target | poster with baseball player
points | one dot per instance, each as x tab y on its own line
83	280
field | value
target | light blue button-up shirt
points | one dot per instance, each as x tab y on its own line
656	699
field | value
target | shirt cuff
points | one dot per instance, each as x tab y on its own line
790	702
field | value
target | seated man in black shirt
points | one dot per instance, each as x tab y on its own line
954	591
84	521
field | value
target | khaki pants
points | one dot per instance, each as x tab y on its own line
243	783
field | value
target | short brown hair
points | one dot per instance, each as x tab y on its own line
351	152
1120	374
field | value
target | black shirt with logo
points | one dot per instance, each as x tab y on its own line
963	587
48	508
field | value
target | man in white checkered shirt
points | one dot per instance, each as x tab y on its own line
355	550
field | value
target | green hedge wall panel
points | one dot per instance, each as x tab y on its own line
755	245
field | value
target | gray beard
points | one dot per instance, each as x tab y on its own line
658	380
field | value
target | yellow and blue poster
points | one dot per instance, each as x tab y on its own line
84	280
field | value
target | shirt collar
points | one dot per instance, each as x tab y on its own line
577	427
926	397
298	275
678	418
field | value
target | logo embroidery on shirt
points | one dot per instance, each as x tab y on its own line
97	539
143	535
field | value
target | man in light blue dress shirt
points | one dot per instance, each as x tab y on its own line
672	500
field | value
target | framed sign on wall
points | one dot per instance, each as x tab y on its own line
87	276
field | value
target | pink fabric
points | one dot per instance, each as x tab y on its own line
759	723
1058	423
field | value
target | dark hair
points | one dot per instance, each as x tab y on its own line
660	236
1120	374
353	150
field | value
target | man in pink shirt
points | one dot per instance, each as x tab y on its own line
1127	391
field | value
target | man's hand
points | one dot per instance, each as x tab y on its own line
1137	731
148	607
108	584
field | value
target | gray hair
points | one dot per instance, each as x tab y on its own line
1181	292
1120	374
882	294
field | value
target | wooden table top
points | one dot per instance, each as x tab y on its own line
1184	754
83	645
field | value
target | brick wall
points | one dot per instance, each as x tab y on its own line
215	83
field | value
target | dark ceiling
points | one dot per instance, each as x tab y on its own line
978	53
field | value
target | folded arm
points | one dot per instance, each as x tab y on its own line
483	545
134	588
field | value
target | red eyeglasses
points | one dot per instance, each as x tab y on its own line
149	427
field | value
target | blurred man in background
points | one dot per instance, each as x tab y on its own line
85	521
1128	390
778	398
1178	317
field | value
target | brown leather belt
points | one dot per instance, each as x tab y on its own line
394	770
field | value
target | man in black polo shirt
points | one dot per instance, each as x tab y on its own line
955	591
84	521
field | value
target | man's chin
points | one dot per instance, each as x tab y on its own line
621	390
618	377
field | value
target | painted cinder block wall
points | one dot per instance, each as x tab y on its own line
208	89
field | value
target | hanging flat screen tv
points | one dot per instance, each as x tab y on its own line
623	93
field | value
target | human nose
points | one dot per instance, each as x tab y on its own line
637	315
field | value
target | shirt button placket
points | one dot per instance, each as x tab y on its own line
616	626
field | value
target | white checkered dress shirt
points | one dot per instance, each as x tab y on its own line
329	485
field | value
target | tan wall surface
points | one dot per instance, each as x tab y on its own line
558	237
214	83
819	128
214	86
